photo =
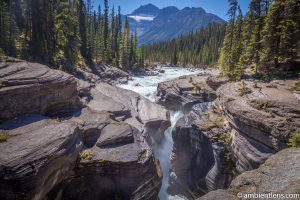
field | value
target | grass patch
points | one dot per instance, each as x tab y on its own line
2	84
3	138
102	161
218	121
143	155
215	122
260	106
207	126
206	115
294	141
56	120
196	86
296	87
264	107
87	155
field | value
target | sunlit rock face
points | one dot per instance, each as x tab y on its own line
261	121
35	88
238	132
180	93
280	172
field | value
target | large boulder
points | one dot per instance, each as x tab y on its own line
147	117
182	93
35	88
115	162
88	156
280	174
39	153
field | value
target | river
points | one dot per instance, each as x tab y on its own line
147	87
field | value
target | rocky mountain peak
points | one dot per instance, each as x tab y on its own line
148	9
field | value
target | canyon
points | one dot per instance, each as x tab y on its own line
180	133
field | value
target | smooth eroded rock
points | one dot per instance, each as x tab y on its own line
181	94
38	154
34	88
280	174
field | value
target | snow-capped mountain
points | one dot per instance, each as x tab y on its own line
140	18
154	24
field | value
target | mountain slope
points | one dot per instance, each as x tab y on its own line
154	24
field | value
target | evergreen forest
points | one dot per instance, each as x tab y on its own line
265	40
195	49
65	34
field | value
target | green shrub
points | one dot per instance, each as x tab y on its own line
3	138
294	141
296	87
206	115
215	122
143	155
87	155
196	86
102	161
207	126
243	89
2	84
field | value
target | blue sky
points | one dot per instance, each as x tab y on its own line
218	7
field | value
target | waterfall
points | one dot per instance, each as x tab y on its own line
164	152
147	86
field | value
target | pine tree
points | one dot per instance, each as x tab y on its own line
290	32
113	35
238	46
106	32
226	59
125	49
281	33
134	46
5	18
174	58
83	30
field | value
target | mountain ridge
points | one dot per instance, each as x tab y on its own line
154	24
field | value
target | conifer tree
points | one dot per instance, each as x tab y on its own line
226	59
281	33
106	32
82	30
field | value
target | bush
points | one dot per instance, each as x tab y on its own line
87	155
1	84
3	138
243	89
296	87
294	141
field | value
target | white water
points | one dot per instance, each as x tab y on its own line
148	84
147	87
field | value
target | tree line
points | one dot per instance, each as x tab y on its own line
195	49
266	39
67	33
